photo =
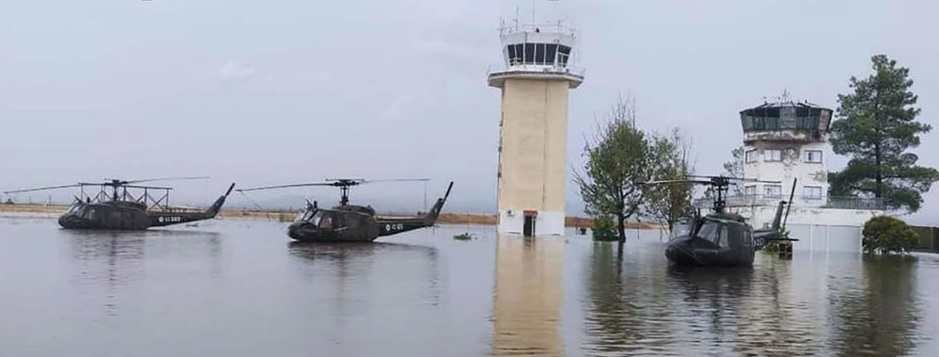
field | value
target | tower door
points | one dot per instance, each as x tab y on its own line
529	229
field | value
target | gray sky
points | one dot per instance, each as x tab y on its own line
284	91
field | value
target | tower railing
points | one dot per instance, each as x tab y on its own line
836	202
533	68
556	27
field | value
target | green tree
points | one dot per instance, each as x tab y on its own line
669	160
617	163
734	167
884	235
876	126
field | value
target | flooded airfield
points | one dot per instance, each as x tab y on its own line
241	288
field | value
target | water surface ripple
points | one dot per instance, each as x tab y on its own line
241	288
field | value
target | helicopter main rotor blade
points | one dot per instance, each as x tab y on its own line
345	179
41	188
659	182
398	180
180	178
285	186
731	178
148	187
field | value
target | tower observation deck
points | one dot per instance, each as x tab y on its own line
535	79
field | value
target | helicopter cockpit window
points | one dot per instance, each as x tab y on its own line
88	213
307	215
326	221
714	232
74	209
681	229
312	216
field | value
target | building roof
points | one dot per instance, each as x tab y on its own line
785	104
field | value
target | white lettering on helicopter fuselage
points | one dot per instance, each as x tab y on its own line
394	227
170	219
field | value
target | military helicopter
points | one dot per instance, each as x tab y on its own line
352	223
120	209
720	238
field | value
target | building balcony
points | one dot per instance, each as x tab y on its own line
498	74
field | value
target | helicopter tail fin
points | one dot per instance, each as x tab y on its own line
438	206
217	206
777	219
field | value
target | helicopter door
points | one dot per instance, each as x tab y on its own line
529	229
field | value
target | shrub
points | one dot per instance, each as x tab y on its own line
885	235
604	229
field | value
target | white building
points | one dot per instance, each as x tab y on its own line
786	141
535	79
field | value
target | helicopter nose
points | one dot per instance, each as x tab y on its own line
681	254
299	230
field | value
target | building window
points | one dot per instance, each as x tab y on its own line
814	156
551	52
772	155
812	192
773	191
750	156
564	53
750	190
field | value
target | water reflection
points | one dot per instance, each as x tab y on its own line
340	285
640	305
527	297
625	302
246	292
878	312
107	261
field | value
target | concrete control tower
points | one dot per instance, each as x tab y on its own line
785	140
535	80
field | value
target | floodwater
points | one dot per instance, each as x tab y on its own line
240	288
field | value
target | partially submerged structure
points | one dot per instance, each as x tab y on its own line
535	81
787	141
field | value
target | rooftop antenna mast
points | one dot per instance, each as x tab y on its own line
533	12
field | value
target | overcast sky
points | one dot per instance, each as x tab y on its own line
268	92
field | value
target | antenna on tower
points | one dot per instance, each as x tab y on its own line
533	21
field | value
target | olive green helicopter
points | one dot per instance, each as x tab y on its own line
352	223
116	204
722	238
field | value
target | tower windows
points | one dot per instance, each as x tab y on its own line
564	53
546	54
514	53
529	53
551	52
539	53
813	156
773	191
771	155
750	156
812	192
